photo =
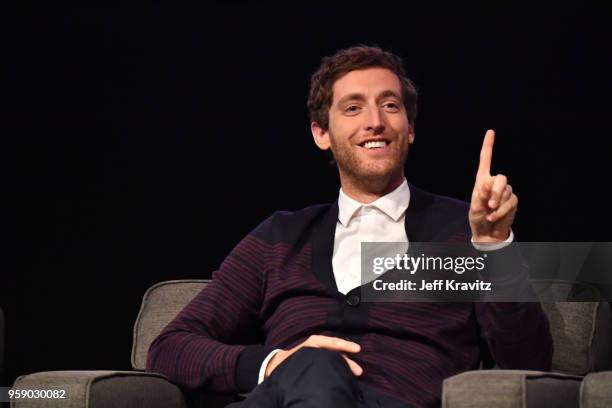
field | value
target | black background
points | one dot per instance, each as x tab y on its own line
141	144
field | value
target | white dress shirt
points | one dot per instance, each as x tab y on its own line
379	221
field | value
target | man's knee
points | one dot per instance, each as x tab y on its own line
313	369
318	358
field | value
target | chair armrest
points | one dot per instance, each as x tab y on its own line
596	390
511	388
101	389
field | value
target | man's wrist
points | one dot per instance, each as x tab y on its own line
264	366
248	366
493	245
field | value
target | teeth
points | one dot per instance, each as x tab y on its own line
374	144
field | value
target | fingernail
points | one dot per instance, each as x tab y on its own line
492	203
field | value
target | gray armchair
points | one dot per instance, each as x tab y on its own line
581	333
582	344
133	389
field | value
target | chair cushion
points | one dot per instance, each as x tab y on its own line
510	388
580	330
160	304
101	389
596	390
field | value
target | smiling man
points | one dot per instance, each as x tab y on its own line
368	131
283	317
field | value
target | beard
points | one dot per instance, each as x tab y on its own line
374	175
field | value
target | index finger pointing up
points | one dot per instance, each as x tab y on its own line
486	153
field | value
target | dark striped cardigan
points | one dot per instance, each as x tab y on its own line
277	287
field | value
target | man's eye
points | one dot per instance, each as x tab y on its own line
391	106
352	109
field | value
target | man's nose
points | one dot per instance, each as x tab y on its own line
375	120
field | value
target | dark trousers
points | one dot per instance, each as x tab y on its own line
314	377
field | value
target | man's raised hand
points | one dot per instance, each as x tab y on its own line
493	204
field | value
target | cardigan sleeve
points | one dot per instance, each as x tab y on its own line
200	347
517	333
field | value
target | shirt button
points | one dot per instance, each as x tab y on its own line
353	300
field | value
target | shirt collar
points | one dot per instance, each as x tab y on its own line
393	204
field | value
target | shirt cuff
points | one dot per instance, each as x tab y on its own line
264	365
493	246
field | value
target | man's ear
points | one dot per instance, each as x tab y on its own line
411	135
320	136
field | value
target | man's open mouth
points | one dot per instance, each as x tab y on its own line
374	144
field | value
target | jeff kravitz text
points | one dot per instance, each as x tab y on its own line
435	285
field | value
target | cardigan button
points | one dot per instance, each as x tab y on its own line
353	300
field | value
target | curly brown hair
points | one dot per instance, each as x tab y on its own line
349	59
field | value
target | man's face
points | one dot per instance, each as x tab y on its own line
369	132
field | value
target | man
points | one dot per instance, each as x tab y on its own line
283	316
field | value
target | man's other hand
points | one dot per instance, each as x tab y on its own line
318	341
493	205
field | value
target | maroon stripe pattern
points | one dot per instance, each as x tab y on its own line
267	285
